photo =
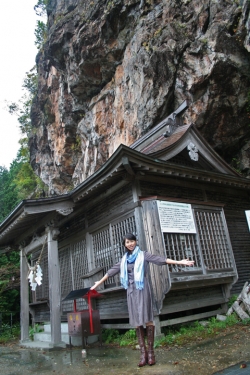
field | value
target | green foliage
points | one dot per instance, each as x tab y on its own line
35	329
17	184
20	182
115	337
41	27
23	107
9	333
30	81
177	335
8	194
195	331
110	335
129	338
25	181
9	281
232	299
76	146
40	34
41	7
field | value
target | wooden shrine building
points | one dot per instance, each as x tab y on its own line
181	200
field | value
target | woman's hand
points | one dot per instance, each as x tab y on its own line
187	262
95	285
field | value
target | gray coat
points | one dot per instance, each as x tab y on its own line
140	306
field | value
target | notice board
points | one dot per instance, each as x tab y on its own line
176	217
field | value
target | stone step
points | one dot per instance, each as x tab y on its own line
45	336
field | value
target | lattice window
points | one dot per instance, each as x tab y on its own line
102	250
107	245
79	262
66	276
118	231
209	248
80	267
182	246
213	240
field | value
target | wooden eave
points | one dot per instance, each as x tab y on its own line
125	164
29	216
157	131
128	162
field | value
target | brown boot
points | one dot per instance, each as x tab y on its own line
151	354
141	341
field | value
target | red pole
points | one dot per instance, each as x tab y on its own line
74	305
90	314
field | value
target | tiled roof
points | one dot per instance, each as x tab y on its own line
162	142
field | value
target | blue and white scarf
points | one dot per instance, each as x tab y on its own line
138	257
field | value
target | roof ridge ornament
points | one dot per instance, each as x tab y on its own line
175	120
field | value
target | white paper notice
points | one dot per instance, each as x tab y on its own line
176	217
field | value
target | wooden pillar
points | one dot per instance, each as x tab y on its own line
136	191
54	285
157	324
90	253
24	286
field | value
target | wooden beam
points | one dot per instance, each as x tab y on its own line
117	326
56	206
127	166
35	244
54	287
24	285
33	228
190	318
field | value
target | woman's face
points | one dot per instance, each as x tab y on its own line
130	244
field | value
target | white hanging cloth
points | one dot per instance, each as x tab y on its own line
35	276
35	273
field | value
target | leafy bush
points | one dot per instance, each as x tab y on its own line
196	331
113	336
232	299
9	333
129	338
35	329
10	284
177	335
110	335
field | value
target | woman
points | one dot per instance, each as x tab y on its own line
133	274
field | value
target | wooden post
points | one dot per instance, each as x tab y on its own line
54	286
24	313
136	191
90	253
158	332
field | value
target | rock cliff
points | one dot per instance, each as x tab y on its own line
111	70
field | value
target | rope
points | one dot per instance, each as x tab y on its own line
40	256
38	260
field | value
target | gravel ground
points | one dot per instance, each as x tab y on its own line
204	357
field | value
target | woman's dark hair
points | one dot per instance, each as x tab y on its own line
128	236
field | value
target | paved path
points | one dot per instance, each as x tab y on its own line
242	368
222	354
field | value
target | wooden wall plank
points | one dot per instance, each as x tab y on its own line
159	276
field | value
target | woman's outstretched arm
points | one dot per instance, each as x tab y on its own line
97	283
183	262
